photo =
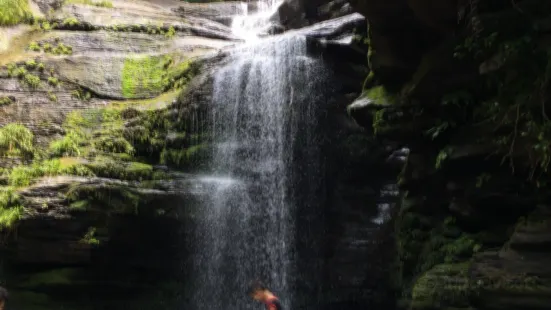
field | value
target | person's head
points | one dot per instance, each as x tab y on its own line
258	291
3	297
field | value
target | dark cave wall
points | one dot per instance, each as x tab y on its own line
472	228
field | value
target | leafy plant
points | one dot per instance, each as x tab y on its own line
31	80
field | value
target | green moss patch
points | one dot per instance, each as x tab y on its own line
380	95
148	76
109	198
144	73
24	175
445	285
112	168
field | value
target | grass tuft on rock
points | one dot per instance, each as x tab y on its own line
16	140
31	80
25	174
10	209
5	101
13	12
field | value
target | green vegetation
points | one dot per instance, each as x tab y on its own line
103	3
5	101
515	69
446	285
70	22
69	145
24	75
379	95
90	237
179	74
53	81
46	26
31	64
52	97
58	49
109	167
424	242
33	46
99	142
62	49
25	174
41	24
143	72
154	74
171	32
14	71
10	209
31	80
16	140
14	12
442	156
181	157
47	48
81	94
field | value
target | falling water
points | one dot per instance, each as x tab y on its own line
250	24
260	116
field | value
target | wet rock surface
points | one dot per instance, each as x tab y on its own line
131	84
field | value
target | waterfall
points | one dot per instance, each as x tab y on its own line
263	129
249	25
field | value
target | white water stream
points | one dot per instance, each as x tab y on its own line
247	230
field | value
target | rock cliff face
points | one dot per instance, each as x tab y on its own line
104	108
464	86
104	104
90	120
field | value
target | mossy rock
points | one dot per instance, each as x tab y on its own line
54	277
380	95
133	171
445	286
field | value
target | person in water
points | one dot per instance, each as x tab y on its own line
3	298
260	292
